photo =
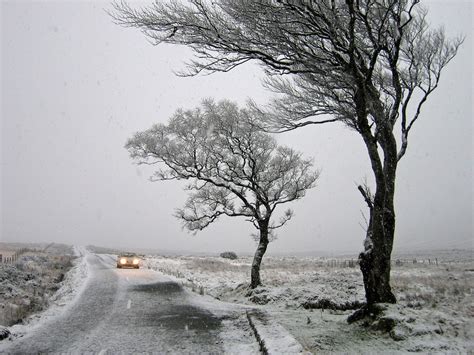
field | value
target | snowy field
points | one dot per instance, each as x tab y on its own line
312	298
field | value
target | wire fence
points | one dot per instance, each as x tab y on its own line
353	263
12	257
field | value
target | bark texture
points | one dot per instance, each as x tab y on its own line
259	253
376	258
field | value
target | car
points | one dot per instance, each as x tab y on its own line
128	260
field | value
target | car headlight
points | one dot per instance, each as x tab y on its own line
123	261
135	261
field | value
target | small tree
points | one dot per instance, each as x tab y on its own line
369	64
236	170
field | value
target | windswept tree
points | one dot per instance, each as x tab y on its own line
369	64
235	169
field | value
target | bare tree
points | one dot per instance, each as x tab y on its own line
369	64
236	170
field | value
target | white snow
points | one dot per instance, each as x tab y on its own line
310	299
75	280
435	310
273	337
70	290
232	339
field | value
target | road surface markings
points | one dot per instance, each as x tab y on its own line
129	304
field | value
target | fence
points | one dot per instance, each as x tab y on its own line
352	263
340	263
429	261
12	257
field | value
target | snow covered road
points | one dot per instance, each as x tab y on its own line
127	310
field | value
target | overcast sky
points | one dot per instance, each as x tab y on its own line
75	87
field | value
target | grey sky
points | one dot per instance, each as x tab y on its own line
75	87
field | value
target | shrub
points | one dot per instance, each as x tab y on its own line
229	255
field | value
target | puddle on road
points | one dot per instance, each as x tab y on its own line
165	287
183	317
175	316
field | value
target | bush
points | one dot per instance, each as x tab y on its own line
229	255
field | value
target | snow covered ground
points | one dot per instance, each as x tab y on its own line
312	298
86	314
159	316
37	281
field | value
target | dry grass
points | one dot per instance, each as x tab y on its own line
433	286
434	312
26	285
418	285
215	264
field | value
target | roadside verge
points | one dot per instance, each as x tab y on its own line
69	291
272	337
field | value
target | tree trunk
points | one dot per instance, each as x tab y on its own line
257	259
376	258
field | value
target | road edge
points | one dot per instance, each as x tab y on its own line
272	337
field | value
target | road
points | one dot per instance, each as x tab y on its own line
130	311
